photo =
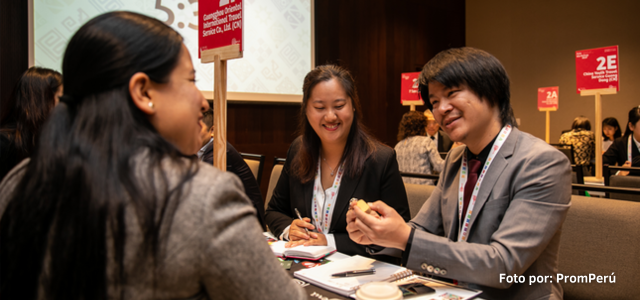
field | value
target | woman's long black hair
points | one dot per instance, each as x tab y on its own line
65	222
360	144
634	117
613	123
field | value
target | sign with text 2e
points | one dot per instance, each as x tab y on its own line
220	23
597	69
548	98
409	88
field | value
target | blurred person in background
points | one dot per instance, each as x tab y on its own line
417	153
610	132
443	142
22	115
625	151
235	165
583	141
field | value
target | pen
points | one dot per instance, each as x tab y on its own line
354	273
299	217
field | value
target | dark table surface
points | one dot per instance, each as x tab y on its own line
313	292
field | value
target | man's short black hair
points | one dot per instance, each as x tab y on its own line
480	71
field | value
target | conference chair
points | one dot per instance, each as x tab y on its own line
255	163
278	164
417	194
601	238
625	181
566	149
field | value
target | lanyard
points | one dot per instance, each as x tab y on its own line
464	230
322	215
631	141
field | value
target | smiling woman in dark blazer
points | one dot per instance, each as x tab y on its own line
332	161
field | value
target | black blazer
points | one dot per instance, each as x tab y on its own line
617	154
237	165
444	142
380	180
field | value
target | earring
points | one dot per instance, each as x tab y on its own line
150	104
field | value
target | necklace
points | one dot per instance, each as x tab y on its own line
333	171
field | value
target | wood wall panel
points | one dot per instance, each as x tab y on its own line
378	40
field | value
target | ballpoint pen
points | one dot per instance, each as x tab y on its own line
354	273
300	217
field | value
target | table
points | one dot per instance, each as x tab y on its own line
592	180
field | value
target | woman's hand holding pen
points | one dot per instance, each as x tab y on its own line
297	230
298	235
317	239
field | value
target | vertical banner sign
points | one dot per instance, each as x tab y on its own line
597	69
220	24
548	98
409	94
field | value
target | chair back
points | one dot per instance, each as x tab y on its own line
625	181
601	238
417	194
255	163
273	180
566	149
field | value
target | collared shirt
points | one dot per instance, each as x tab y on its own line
434	138
482	157
637	143
201	151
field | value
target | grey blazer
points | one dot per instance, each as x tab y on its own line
214	249
515	225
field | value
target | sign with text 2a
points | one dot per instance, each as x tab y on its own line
409	89
597	69
548	98
220	23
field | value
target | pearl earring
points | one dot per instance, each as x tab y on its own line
150	104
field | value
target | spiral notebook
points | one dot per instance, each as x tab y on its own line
347	286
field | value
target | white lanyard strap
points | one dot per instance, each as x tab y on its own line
464	230
631	141
322	213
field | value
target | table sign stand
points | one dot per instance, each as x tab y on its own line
219	57
412	104
598	121
548	122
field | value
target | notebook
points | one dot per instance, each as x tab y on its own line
301	252
347	286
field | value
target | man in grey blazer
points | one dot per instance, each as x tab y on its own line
505	226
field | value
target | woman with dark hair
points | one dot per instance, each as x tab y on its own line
625	151
114	204
33	98
332	161
583	141
417	153
610	132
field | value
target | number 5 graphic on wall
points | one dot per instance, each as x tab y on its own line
170	16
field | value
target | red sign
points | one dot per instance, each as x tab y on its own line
548	98
220	24
409	88
597	69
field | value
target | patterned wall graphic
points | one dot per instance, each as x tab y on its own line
277	37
